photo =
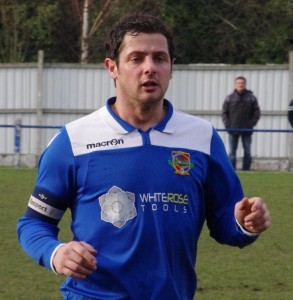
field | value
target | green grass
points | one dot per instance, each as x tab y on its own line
260	271
264	269
21	278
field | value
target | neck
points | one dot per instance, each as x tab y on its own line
240	91
140	116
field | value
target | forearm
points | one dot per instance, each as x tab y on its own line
228	231
38	239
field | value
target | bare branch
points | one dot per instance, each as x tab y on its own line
102	15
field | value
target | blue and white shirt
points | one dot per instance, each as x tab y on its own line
139	198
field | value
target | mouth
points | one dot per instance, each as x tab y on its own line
149	83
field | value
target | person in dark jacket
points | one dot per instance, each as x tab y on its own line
290	113
240	111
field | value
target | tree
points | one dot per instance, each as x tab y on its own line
102	15
205	31
234	32
88	33
25	27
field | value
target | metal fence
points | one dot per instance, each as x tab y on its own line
40	97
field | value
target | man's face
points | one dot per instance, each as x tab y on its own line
144	68
240	85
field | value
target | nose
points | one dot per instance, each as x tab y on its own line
150	66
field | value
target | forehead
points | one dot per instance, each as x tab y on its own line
144	42
240	81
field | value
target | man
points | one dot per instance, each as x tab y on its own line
140	179
240	111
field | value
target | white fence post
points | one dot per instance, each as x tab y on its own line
17	143
290	154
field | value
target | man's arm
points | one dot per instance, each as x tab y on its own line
222	191
225	113
255	112
38	228
290	113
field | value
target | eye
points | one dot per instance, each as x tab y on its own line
135	59
161	58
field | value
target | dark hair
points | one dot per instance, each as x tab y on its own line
135	24
240	78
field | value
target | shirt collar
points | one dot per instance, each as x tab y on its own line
166	125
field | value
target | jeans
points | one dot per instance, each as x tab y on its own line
246	143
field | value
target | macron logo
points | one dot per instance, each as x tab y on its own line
112	142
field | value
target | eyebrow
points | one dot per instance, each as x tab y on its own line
146	52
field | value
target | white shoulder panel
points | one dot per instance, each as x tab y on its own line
100	131
187	131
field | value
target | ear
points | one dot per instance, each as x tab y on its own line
112	67
172	64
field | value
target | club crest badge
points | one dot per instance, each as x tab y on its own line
117	206
181	162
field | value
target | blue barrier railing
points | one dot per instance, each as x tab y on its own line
253	130
218	129
31	126
18	126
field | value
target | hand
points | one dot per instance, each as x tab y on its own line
75	259
253	214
